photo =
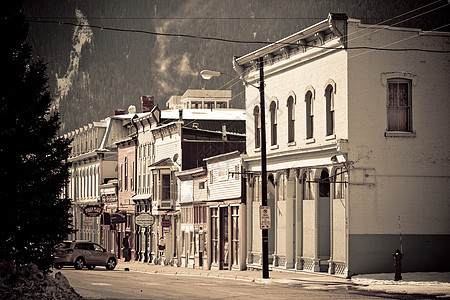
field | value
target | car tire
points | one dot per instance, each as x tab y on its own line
79	263
90	267
59	267
111	264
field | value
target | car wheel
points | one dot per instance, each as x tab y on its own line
90	267
79	263
111	264
59	267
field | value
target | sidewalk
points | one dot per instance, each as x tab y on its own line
433	284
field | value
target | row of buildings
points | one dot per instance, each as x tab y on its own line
357	159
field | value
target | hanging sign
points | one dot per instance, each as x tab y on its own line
145	220
120	217
264	215
93	210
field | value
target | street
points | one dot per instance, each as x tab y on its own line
117	284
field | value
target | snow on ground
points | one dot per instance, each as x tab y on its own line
432	283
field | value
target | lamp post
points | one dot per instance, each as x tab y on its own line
265	232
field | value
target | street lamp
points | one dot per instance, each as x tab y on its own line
208	74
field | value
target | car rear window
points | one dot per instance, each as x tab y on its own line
64	245
84	246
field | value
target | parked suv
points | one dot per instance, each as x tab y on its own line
83	254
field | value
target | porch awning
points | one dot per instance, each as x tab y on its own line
142	197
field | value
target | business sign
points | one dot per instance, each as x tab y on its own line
165	223
118	218
222	175
93	210
264	217
145	220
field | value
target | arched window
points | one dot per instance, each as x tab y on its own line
329	96
309	116
273	123
257	127
291	119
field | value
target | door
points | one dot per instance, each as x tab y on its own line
324	220
224	242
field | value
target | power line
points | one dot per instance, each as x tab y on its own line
221	39
187	18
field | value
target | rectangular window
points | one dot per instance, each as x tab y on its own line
399	105
165	187
201	185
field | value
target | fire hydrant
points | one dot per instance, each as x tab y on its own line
397	255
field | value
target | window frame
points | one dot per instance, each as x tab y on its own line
329	103
257	126
389	108
273	123
309	96
291	118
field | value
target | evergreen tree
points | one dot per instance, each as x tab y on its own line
34	168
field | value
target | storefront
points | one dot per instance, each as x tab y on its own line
226	214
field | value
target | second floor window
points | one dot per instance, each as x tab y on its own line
399	105
257	127
273	122
309	116
291	119
125	177
329	98
165	192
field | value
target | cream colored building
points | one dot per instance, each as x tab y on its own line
94	161
357	148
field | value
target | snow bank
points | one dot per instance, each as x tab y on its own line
28	282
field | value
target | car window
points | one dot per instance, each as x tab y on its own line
84	246
63	245
98	248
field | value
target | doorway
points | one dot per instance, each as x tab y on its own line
324	220
224	240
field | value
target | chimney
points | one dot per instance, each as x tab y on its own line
147	103
224	132
119	112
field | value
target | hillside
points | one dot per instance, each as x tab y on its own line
94	71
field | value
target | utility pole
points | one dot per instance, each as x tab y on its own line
265	232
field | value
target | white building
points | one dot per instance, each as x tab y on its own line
201	99
357	148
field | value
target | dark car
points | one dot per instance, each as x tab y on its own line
83	254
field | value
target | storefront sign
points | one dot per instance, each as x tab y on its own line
118	218
165	223
145	220
93	210
88	222
110	198
222	175
265	220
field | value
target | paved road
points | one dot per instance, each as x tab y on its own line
117	284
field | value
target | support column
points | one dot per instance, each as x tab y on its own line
290	220
249	219
299	219
316	260
242	236
331	264
208	241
